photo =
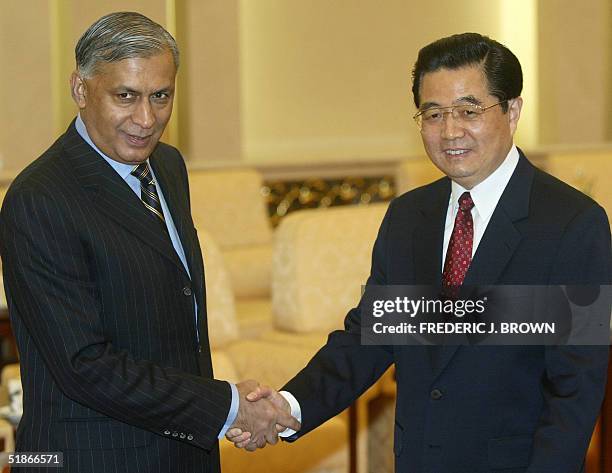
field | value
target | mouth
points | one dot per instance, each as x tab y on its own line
138	141
453	152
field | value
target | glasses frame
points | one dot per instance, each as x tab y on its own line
451	109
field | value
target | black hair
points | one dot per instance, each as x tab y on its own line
500	66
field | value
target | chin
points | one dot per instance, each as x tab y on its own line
136	157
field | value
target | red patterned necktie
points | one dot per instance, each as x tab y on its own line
459	252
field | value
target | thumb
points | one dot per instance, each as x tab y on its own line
286	420
259	393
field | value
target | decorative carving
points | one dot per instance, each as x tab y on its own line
284	197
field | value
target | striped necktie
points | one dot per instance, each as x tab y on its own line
148	191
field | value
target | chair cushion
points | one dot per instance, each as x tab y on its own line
229	205
250	270
220	308
254	316
321	259
223	367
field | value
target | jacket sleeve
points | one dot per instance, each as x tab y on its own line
575	380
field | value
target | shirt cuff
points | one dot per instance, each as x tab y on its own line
296	411
233	412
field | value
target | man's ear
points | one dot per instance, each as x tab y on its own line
514	112
78	90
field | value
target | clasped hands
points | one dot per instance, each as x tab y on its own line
262	414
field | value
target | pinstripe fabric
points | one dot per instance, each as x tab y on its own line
112	373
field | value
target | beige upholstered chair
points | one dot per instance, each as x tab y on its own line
272	363
415	172
10	374
321	260
587	171
228	204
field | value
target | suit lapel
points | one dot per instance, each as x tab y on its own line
501	237
498	244
428	243
112	196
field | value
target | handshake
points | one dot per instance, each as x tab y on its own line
262	414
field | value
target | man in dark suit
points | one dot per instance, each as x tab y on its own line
105	278
495	219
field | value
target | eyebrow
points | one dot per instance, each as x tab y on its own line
466	98
469	99
124	88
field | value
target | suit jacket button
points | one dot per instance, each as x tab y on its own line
187	291
436	394
190	437
182	435
167	432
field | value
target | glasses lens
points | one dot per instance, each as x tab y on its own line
467	112
432	115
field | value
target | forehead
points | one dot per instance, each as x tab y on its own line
448	85
154	71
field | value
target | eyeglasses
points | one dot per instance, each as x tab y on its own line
465	113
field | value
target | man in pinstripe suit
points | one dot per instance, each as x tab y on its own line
105	279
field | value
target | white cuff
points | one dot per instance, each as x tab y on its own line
296	412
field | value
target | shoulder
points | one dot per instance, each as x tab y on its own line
169	153
556	202
44	180
424	196
38	174
169	158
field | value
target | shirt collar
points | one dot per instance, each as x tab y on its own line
124	170
486	194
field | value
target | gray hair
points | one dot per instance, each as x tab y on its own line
120	36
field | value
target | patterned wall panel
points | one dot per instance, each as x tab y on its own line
285	196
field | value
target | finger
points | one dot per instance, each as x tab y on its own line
245	436
272	438
280	428
243	443
259	393
235	432
251	447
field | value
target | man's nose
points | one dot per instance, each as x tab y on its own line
143	116
451	127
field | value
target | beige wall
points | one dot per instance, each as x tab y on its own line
331	80
296	81
210	103
26	111
574	71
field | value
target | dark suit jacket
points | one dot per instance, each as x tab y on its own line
476	409
103	313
